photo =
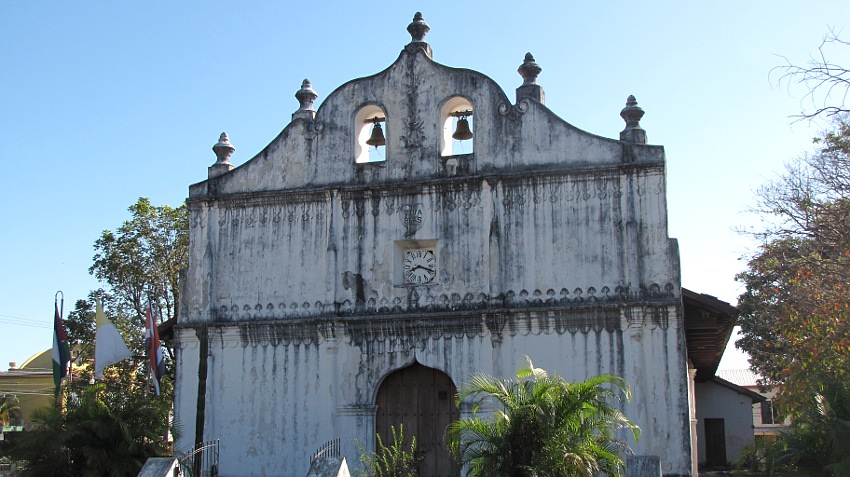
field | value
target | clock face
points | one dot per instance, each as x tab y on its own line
420	266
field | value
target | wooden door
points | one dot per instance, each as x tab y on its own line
422	399
715	443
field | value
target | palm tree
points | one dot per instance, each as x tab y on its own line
99	433
544	426
9	409
818	442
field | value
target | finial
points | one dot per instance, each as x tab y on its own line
632	115
418	28
529	89
223	149
306	95
529	69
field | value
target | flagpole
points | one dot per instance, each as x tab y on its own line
148	319
62	314
61	307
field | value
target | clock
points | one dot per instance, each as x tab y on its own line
420	266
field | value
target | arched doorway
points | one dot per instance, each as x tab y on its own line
422	399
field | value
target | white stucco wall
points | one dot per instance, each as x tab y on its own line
550	242
271	398
718	402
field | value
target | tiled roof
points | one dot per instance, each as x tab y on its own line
741	377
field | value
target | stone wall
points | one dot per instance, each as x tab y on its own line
549	242
279	388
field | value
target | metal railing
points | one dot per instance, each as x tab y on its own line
201	460
329	449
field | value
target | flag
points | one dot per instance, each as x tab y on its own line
153	349
61	350
109	347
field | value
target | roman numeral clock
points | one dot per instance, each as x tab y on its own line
420	266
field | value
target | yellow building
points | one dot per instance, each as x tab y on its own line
32	384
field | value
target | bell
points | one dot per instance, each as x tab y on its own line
462	133
377	138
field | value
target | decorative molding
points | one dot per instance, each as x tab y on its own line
420	300
411	332
197	218
514	193
264	215
515	111
312	129
368	410
415	134
642	173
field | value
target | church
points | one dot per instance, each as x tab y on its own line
416	229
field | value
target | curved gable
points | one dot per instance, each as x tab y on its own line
319	149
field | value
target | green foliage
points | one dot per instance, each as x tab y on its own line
795	311
818	442
390	461
98	433
142	259
140	262
9	409
544	426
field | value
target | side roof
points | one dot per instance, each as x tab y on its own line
756	397
741	377
708	327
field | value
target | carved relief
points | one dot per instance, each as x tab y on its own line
196	218
411	218
514	112
415	134
312	129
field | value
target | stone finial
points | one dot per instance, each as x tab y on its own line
223	150
529	69
632	115
418	28
305	96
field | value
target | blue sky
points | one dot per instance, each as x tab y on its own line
105	102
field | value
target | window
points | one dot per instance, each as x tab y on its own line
370	122
769	413
456	111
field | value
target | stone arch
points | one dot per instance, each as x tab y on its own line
453	104
363	129
423	400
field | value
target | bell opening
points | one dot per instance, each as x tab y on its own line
457	126
369	138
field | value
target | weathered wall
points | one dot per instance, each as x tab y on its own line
719	402
550	242
496	238
278	389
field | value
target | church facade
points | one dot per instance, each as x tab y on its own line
364	265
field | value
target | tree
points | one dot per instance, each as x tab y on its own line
795	310
142	259
818	442
99	432
140	262
9	409
827	83
544	426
